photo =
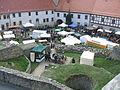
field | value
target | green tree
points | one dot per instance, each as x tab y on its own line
69	19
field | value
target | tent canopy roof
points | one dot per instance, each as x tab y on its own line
63	25
28	25
73	25
77	34
57	30
39	48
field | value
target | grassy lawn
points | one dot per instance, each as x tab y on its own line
73	55
19	63
109	65
101	73
34	65
100	76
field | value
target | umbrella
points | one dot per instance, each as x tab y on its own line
28	25
100	30
73	25
63	25
58	30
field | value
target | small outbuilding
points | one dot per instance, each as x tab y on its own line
37	54
87	58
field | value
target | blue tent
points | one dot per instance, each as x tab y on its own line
73	25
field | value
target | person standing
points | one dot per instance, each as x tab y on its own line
73	60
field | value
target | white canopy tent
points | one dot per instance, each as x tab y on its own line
45	35
87	58
104	42
63	25
63	33
8	32
28	25
42	40
108	31
118	32
14	42
38	33
28	41
0	37
8	36
70	40
85	38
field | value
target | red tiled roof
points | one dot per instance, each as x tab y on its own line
7	6
82	6
101	7
107	7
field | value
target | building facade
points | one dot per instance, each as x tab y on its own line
83	12
38	18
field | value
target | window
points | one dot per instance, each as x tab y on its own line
4	16
14	23
13	14
86	17
36	13
8	16
29	13
58	14
30	21
3	27
37	20
64	15
52	12
85	24
102	19
113	21
20	22
93	18
79	16
47	19
52	19
0	17
7	24
46	12
71	15
78	23
44	20
19	14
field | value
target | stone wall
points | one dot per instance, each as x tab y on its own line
114	84
10	52
80	49
16	51
29	81
27	48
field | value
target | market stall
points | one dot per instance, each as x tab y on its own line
87	58
37	54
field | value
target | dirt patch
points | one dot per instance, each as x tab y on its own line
80	82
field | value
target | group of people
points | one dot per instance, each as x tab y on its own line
59	59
